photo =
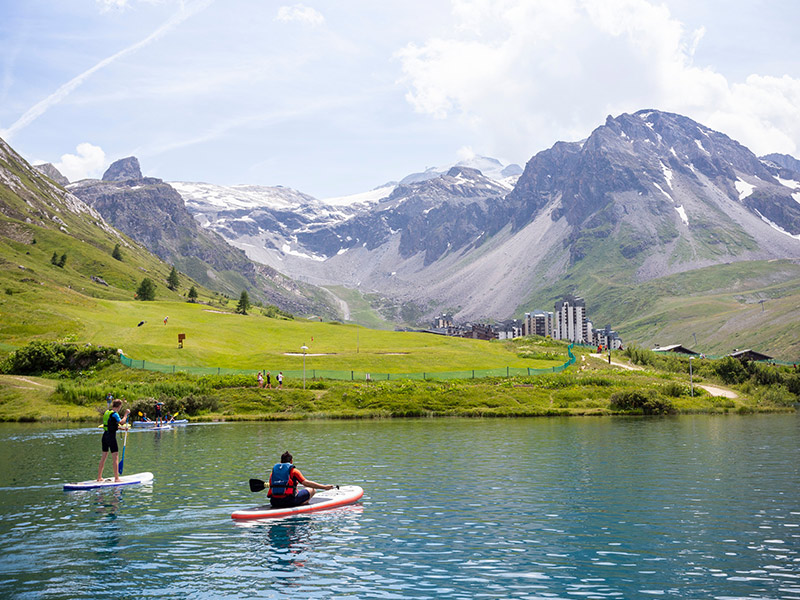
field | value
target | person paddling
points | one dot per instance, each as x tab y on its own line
283	481
111	422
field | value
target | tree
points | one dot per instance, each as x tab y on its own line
192	294
244	303
63	260
117	253
54	258
147	290
172	281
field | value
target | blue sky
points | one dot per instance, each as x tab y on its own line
333	98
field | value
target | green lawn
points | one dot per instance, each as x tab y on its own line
222	339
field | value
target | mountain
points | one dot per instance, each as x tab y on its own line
153	213
56	257
645	198
50	171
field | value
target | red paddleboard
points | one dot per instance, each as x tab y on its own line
342	496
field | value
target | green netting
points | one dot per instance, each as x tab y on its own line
312	374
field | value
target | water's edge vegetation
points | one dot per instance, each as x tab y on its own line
45	382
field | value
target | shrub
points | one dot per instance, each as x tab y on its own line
37	357
673	389
649	403
730	370
778	395
193	404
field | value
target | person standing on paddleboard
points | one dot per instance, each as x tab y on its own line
283	481
159	419
111	422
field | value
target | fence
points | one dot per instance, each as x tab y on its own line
353	375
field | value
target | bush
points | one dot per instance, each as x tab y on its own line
51	357
673	389
37	357
194	404
778	395
731	371
649	403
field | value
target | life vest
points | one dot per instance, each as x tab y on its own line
281	482
110	424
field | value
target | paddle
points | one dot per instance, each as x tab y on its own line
122	460
257	485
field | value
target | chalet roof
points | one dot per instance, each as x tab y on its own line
675	348
749	355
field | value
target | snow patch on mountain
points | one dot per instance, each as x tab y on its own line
364	198
744	188
776	227
790	183
667	174
682	213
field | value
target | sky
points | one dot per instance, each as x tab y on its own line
336	98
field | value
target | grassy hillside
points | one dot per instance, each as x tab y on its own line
720	304
220	338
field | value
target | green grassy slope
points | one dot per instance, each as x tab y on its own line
224	339
720	303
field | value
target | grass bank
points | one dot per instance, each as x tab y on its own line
593	387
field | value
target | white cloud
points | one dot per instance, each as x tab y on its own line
106	5
301	14
89	161
524	74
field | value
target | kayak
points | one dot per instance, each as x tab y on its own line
153	423
342	496
109	482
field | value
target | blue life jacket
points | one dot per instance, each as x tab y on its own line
281	483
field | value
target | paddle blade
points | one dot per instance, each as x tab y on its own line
256	485
122	458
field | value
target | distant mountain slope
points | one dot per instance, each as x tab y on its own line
42	224
646	196
152	212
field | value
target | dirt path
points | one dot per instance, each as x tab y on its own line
714	390
19	379
616	363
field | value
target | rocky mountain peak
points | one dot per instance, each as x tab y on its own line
50	171
123	170
465	172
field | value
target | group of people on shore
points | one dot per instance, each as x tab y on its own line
265	380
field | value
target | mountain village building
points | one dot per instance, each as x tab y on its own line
569	322
538	323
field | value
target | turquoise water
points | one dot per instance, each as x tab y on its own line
689	507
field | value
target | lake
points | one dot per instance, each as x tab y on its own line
684	507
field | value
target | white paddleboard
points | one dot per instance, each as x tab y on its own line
342	496
134	479
153	423
161	428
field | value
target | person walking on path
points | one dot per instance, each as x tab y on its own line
111	422
269	381
165	320
283	482
260	379
280	380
